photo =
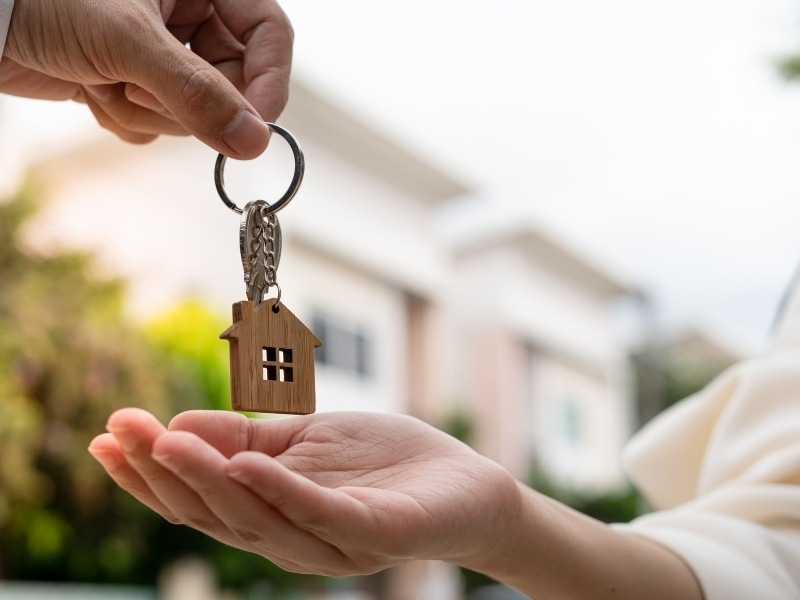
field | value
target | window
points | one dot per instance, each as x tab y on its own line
572	424
275	361
346	348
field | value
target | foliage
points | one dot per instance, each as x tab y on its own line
187	338
682	378
67	363
67	360
459	425
789	67
667	374
620	506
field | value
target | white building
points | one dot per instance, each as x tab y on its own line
545	375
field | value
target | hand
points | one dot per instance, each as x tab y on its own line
128	61
333	494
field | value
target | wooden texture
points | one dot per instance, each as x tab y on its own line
272	360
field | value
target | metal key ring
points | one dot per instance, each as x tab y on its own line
297	179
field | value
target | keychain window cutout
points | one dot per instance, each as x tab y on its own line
277	372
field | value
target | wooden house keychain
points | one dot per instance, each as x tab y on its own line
271	350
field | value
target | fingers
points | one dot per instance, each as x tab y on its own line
228	432
197	95
347	517
331	514
143	98
255	522
267	34
186	17
106	449
106	122
124	116
231	433
136	431
216	44
17	80
187	14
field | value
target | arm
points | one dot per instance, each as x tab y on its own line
344	494
556	552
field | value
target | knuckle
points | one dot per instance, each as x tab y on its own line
139	139
316	524
248	536
136	488
201	91
285	23
198	522
125	25
123	115
130	21
286	565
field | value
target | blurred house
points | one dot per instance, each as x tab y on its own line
509	326
544	372
671	367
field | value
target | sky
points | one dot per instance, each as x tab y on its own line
654	137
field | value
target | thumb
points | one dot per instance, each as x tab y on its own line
200	98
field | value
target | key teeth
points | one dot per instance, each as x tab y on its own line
260	246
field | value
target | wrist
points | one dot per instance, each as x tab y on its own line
503	549
504	534
552	551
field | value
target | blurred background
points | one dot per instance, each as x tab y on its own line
533	225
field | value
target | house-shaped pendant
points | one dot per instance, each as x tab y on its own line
272	360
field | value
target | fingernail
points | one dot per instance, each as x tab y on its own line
126	439
241	477
147	100
166	460
101	92
247	135
105	458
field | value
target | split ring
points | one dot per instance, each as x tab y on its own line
297	179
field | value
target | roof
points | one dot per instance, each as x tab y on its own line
545	250
316	117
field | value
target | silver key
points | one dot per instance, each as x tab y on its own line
260	243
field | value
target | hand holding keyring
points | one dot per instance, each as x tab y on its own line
128	60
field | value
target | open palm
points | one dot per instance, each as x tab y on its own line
334	494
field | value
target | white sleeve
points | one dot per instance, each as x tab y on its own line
723	468
6	8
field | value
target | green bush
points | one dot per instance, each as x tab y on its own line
68	359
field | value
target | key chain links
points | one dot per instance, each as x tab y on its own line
271	257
